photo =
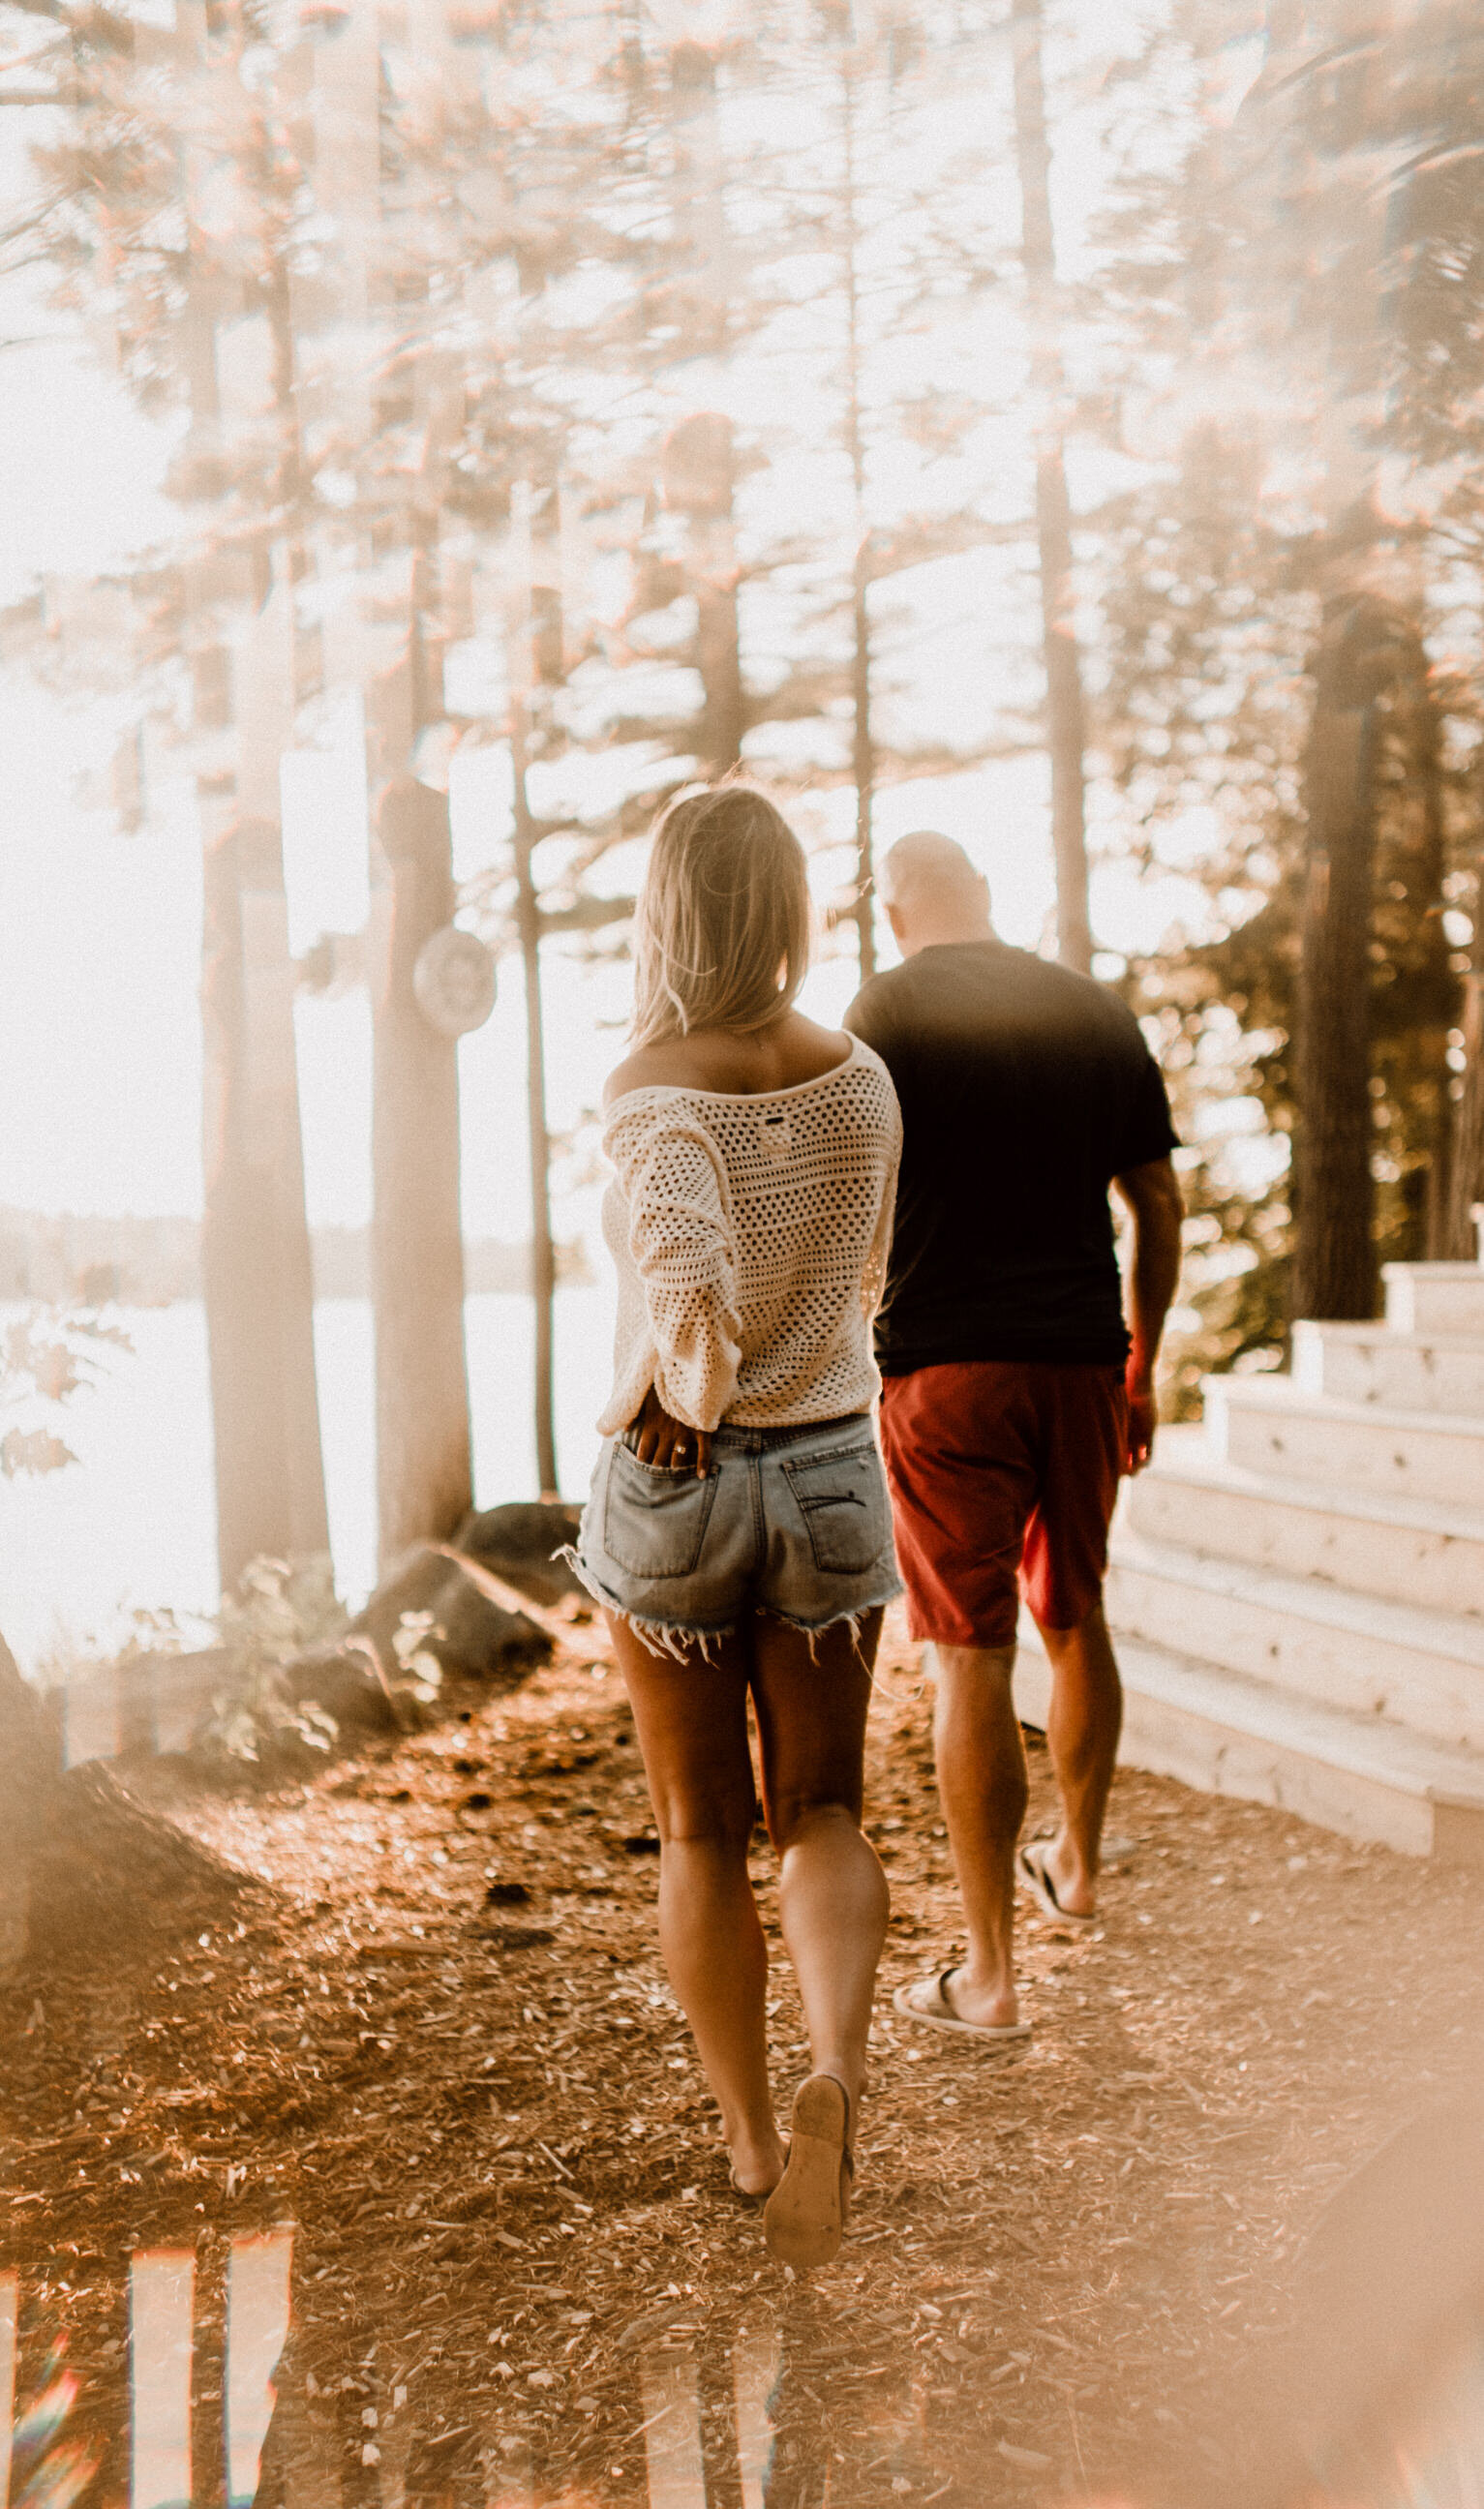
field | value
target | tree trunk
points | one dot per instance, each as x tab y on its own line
724	722
1334	1270
423	1473
698	471
1439	989
698	459
864	769
255	1247
1465	1183
542	1245
1065	709
862	759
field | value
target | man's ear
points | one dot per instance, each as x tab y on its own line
894	918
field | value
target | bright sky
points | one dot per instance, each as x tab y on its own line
99	932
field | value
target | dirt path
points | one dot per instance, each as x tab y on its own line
443	2050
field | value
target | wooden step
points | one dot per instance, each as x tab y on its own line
1406	1550
1402	1372
1272	1425
1226	1734
1423	1670
1435	1297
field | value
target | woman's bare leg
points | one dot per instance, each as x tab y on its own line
832	1897
692	1721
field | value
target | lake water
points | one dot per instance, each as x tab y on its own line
130	1524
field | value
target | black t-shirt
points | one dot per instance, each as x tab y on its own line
1024	1089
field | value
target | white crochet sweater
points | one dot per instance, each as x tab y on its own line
750	1237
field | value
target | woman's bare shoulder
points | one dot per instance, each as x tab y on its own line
730	1061
825	1046
669	1065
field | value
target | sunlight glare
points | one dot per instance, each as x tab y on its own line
161	2286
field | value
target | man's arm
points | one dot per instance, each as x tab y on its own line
1157	1207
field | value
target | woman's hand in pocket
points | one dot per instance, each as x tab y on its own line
671	1444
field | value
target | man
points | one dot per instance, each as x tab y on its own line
1015	1395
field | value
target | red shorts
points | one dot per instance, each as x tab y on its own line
1003	1474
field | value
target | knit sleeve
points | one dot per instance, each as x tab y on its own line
873	1274
683	1242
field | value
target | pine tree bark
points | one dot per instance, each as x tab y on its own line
1440	990
863	749
698	472
1334	1266
698	459
864	769
1065	705
257	1279
255	1249
424	1471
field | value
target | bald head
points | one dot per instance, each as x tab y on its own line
932	892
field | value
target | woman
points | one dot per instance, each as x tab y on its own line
738	1531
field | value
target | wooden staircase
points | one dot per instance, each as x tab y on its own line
1297	1584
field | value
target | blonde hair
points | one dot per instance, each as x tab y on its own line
722	933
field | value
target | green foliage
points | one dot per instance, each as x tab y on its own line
1202	719
569	277
283	1609
284	1615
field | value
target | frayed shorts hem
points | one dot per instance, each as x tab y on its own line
854	1613
675	1638
661	1638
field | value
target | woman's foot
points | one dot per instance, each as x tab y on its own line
755	2167
805	2214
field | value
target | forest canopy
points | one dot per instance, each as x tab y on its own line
851	394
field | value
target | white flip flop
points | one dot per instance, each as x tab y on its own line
926	1999
1030	1864
1117	1846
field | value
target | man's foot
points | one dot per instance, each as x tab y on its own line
1063	1896
1117	1846
945	2002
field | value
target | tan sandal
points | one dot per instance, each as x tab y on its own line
926	1998
1032	1867
806	2215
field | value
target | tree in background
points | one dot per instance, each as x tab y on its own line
1271	620
1201	724
1426	111
1066	712
268	277
883	234
167	211
509	334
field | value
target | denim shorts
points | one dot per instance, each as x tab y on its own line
793	1522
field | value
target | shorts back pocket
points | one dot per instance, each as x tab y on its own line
655	1520
842	1498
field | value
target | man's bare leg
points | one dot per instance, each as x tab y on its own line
1083	1724
983	1787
